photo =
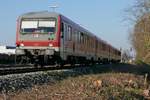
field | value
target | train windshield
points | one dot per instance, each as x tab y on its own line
38	26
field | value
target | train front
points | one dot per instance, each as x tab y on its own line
37	38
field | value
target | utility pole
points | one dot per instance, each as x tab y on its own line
121	54
53	7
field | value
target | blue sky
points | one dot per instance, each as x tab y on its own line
102	17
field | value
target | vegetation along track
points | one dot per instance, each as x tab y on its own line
15	82
17	69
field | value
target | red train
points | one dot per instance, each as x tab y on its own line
51	38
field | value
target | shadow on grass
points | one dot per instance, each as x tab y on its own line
104	69
115	68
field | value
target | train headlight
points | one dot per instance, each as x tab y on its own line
22	44
50	44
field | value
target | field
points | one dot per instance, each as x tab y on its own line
100	82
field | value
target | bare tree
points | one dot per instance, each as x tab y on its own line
136	11
141	38
139	13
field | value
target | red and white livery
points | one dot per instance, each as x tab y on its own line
50	38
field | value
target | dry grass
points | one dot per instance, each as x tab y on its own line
87	87
111	82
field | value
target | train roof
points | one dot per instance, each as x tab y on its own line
41	14
77	26
46	14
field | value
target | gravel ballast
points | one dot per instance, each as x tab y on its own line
15	82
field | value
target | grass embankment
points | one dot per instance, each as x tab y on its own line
114	82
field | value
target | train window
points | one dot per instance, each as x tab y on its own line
103	46
62	27
38	25
46	23
92	43
85	40
69	33
79	35
62	30
29	24
73	34
65	31
76	35
81	38
88	41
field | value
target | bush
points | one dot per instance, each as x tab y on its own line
140	62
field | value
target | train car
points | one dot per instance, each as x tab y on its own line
51	38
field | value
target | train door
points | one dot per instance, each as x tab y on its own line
96	48
62	41
73	37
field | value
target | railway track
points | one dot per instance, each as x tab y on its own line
17	69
